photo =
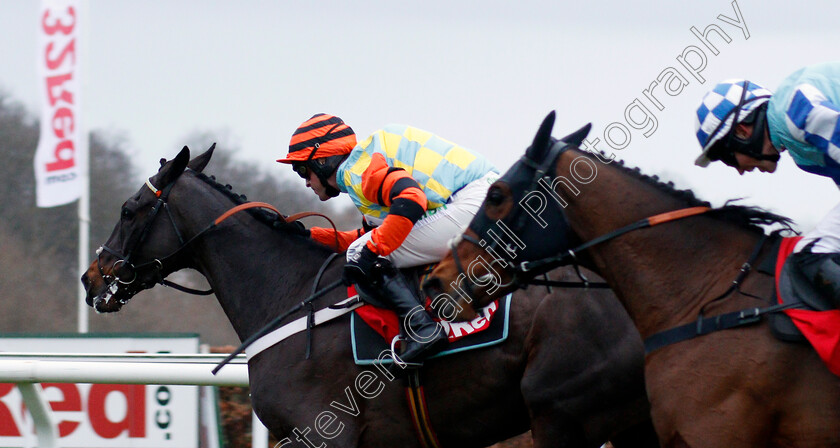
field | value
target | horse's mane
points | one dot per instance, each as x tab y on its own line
750	218
264	216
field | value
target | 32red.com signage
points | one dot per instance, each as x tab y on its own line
105	415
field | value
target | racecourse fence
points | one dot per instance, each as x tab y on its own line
28	370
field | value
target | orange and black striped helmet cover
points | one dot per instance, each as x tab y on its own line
327	134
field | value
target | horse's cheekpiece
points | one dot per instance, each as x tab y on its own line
372	327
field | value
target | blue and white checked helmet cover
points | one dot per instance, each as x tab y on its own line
717	111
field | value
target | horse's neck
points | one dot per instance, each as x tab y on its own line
257	273
661	274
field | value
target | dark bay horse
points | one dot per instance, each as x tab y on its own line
737	387
573	377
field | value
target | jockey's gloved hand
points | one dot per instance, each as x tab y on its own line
360	267
295	227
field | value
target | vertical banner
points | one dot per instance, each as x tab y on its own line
61	153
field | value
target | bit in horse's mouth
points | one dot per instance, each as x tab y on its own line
100	302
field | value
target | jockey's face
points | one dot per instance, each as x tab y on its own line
747	163
315	184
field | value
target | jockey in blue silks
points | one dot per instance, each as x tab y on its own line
746	126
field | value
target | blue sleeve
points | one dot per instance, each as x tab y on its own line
814	119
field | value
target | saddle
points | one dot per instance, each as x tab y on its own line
374	325
373	328
415	277
812	318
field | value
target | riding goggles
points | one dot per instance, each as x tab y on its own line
301	169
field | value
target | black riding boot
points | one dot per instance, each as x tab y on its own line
424	337
823	271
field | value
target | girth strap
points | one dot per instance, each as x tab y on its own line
706	325
419	410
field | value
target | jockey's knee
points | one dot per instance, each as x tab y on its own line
823	270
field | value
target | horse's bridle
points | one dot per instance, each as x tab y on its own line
502	255
524	272
124	260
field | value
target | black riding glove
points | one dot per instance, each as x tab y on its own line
360	268
296	227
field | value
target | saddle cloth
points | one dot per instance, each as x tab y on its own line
373	328
816	319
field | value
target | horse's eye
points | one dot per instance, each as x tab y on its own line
126	213
495	197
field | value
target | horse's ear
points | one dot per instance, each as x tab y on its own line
576	138
174	168
197	164
541	140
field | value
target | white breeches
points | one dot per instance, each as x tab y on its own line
827	232
427	241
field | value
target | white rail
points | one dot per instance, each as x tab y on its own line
27	369
193	358
121	369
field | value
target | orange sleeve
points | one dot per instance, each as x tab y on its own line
390	235
382	183
396	189
327	237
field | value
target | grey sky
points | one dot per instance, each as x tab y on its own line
480	73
